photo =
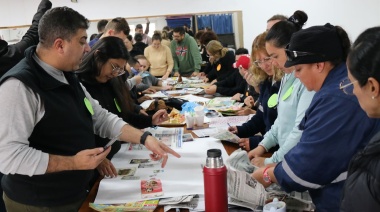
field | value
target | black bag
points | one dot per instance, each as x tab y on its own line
175	103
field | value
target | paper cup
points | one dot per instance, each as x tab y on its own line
189	122
199	120
199	110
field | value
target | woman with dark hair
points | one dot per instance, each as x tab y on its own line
99	73
139	45
202	50
131	49
292	96
330	137
204	38
159	57
362	187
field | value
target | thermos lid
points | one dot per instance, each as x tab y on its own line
214	153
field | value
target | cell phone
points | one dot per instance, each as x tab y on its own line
143	75
112	141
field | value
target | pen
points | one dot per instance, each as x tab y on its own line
229	124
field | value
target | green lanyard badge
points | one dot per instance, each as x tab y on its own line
88	106
272	101
288	93
117	105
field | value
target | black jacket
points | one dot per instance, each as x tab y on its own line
10	55
103	92
264	118
231	85
225	67
139	47
362	188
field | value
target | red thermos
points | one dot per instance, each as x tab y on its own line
215	182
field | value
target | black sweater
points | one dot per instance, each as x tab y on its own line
225	67
232	85
265	116
103	92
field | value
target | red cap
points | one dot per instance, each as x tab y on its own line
243	61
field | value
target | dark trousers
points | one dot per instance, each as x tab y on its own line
13	206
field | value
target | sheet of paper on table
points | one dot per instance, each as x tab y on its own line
206	132
158	94
181	176
224	122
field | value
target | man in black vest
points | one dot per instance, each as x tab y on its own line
47	145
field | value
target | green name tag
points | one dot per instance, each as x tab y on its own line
117	105
288	93
88	106
272	101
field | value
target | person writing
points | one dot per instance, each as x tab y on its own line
293	98
47	143
268	77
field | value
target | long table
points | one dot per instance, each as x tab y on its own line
228	146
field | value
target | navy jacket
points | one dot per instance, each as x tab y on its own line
334	129
264	118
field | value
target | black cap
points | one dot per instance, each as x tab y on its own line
214	153
139	26
322	41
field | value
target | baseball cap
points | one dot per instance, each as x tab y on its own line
314	44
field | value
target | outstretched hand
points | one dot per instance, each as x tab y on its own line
159	149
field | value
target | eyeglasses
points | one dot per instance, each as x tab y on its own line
258	63
347	86
117	70
291	55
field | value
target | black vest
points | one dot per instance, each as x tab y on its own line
65	129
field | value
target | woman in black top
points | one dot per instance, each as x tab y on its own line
99	73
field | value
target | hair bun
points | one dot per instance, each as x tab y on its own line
299	18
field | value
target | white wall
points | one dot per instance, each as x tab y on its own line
353	15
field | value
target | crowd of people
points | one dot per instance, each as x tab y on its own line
315	98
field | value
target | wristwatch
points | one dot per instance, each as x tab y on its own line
144	136
266	176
